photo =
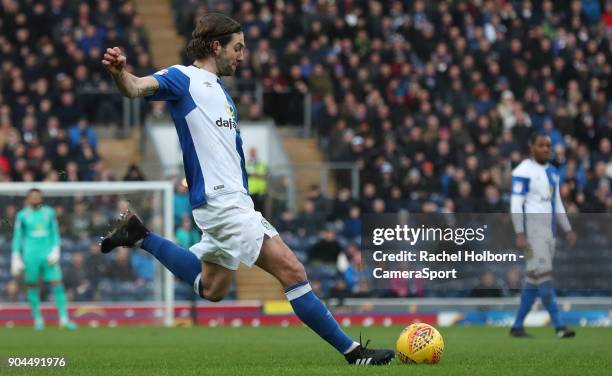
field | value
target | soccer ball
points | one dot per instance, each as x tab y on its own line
419	343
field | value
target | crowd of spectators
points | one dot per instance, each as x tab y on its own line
434	100
53	86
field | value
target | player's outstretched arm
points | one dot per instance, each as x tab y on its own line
129	85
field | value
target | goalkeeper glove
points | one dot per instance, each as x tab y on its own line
16	264
54	256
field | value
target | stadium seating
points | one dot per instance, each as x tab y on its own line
434	100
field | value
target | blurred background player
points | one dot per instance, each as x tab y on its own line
233	231
36	252
537	208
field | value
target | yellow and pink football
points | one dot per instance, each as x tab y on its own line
419	343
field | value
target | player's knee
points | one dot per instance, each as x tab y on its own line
294	273
214	292
213	296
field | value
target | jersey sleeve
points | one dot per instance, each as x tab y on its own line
17	234
173	84
519	188
520	180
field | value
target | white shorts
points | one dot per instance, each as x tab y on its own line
543	253
233	231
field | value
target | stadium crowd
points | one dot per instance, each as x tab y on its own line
53	87
433	100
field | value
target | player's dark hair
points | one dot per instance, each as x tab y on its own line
211	27
32	190
534	137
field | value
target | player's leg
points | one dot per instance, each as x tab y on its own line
216	283
277	259
130	232
548	295
52	274
61	303
32	268
529	292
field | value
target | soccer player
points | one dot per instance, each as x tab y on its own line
36	251
537	208
206	121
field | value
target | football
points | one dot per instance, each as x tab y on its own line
419	343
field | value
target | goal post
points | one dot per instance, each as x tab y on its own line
162	196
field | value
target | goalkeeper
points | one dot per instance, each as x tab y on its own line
36	252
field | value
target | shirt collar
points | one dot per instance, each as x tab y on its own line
207	73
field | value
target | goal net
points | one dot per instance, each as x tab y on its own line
98	284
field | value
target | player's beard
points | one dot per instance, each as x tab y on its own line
225	67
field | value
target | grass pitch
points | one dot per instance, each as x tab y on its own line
297	351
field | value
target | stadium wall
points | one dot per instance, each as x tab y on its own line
590	312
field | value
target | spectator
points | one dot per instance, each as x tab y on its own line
326	250
513	282
82	131
142	266
352	224
257	179
487	288
96	265
186	234
11	291
340	290
134	173
181	200
121	266
310	222
78	286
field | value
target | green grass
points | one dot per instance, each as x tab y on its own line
297	351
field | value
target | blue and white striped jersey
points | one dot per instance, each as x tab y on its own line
206	121
535	190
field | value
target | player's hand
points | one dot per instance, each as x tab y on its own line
114	60
570	238
521	242
523	245
54	256
17	265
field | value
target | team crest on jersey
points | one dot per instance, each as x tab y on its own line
267	225
229	109
517	187
163	71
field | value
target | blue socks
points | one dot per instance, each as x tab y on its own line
549	300
529	293
313	313
182	263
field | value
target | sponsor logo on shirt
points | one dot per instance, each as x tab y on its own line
231	123
226	123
